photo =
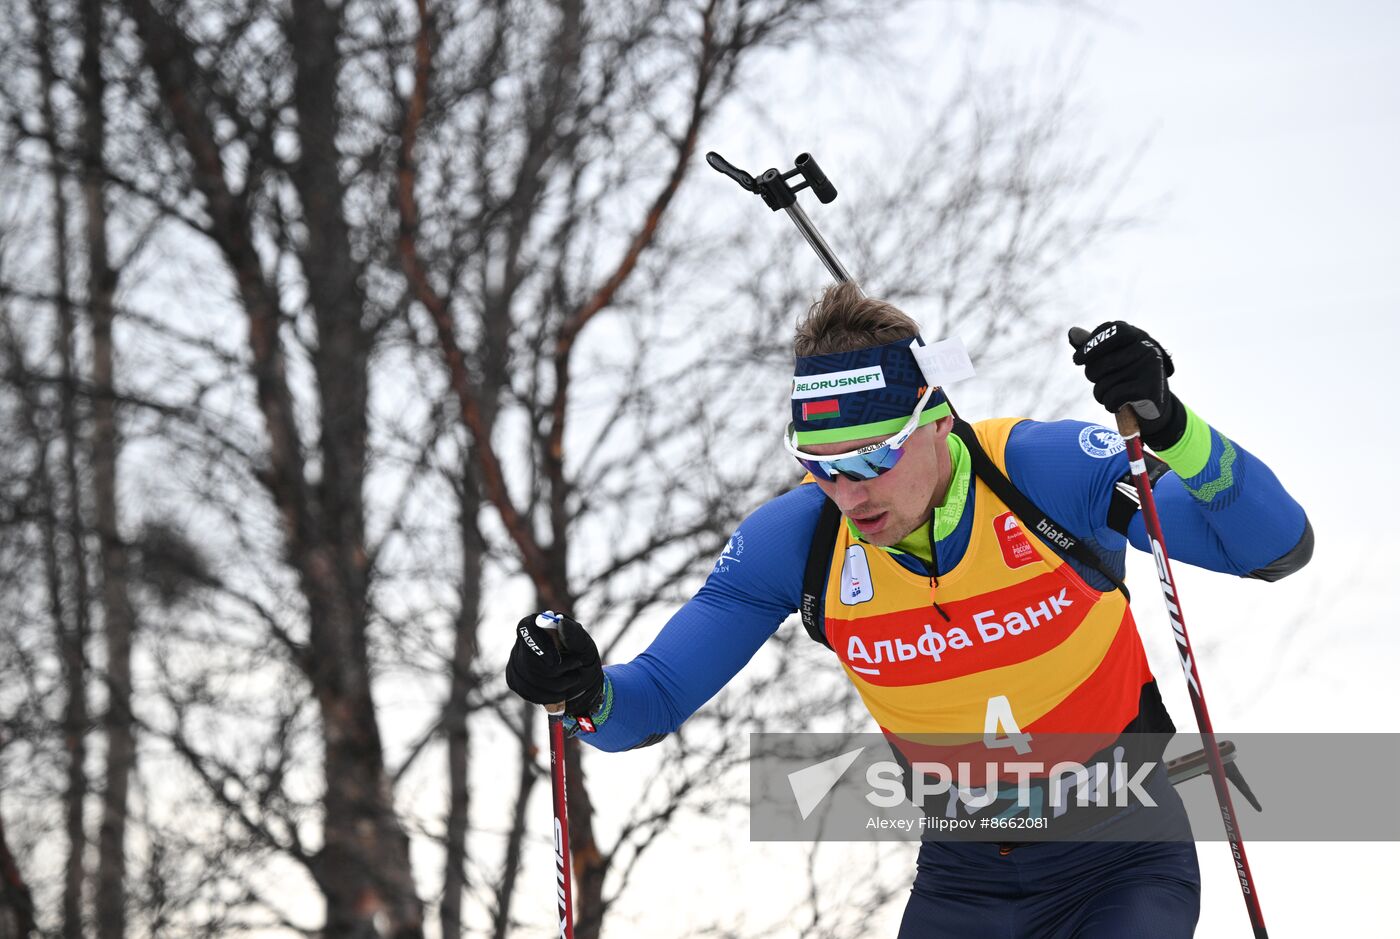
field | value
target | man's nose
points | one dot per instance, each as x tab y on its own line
849	492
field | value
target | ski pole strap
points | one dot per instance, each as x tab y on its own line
1125	501
1032	518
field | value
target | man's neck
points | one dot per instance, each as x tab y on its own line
946	507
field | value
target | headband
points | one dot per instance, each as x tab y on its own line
871	392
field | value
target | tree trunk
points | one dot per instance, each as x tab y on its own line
16	904
363	869
73	642
367	865
455	721
118	617
69	609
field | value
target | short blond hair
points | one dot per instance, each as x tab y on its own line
843	319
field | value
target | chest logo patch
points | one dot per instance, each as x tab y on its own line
856	585
1016	548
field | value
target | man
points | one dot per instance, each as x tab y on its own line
942	524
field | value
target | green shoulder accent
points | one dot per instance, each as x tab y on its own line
1225	480
1189	455
605	709
947	515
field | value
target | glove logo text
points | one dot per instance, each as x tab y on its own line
1106	334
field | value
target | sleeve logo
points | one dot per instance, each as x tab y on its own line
731	553
1100	442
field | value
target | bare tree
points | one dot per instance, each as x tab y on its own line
318	487
378	258
518	272
27	727
70	612
118	616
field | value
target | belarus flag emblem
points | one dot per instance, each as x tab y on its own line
821	410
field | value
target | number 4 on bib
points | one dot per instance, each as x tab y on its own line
1001	730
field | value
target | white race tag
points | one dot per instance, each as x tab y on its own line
943	362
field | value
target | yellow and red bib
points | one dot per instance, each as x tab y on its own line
1025	644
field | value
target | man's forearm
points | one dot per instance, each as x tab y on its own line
1258	525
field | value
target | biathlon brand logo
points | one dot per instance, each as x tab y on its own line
1100	442
835	383
1016	548
821	410
1054	535
855	577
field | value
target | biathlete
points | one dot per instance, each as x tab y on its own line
925	537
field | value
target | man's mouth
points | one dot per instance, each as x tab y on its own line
870	524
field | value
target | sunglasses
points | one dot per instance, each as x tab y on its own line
863	464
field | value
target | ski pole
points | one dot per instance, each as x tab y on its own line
1128	429
778	193
563	862
1196	763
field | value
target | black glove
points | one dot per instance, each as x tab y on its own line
1127	366
544	671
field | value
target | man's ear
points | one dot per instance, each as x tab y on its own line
943	427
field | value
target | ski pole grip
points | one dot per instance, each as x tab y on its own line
550	622
1127	422
812	173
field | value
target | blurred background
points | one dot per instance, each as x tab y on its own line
337	336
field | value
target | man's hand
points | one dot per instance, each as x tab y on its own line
1127	366
545	671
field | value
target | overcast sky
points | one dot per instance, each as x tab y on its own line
1267	264
1271	273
